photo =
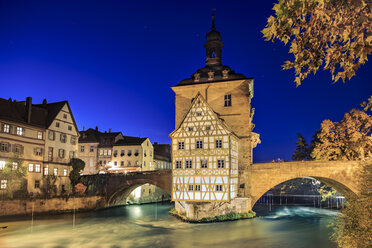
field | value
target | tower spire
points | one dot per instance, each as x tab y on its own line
214	45
213	16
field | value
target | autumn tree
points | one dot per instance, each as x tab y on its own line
302	149
333	34
349	139
353	227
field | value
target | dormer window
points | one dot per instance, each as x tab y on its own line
210	75
197	77
225	74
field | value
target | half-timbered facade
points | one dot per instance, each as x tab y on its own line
205	157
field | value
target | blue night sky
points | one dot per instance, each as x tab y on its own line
115	61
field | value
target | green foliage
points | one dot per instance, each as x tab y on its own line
353	227
96	183
302	150
335	34
77	166
14	172
49	188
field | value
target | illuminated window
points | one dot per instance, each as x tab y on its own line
218	143
178	164
188	164
55	171
227	100
37	168
30	167
4	184
6	128
221	163
199	144
65	172
218	187
2	165
46	171
204	164
40	135
20	131
181	145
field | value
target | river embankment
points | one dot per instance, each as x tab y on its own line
50	206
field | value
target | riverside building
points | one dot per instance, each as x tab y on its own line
213	139
44	136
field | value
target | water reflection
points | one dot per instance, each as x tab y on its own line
150	225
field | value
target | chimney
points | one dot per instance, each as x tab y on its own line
96	128
44	103
110	130
28	108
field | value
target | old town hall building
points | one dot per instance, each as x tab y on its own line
213	139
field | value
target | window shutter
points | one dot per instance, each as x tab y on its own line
22	149
9	147
34	151
24	131
2	127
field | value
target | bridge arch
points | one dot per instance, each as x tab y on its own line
338	174
121	185
129	186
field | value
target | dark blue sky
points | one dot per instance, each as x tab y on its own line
115	61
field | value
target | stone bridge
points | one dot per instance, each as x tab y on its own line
264	176
118	186
338	174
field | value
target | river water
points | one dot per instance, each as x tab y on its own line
150	225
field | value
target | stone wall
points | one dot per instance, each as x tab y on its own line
24	207
197	211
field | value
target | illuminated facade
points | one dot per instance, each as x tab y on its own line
213	139
43	135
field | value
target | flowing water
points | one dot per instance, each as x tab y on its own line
150	225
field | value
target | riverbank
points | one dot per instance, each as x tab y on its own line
220	218
9	208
